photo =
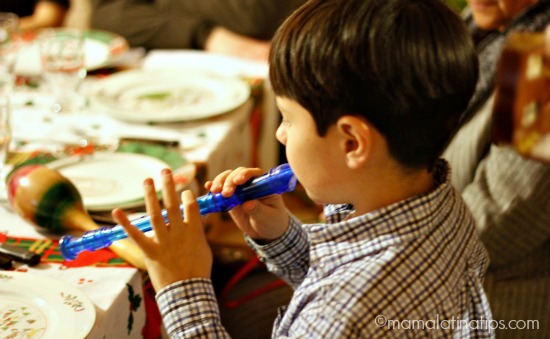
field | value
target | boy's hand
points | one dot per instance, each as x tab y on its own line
264	219
177	250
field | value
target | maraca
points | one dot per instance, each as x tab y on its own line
49	200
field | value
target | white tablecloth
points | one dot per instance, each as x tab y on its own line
220	143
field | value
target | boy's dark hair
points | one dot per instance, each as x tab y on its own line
407	66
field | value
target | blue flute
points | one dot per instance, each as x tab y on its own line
277	180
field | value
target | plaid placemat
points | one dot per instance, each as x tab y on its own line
49	250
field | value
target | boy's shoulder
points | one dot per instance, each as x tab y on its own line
423	248
416	260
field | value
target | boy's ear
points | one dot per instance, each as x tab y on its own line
356	140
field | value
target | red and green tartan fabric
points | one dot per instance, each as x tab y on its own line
49	250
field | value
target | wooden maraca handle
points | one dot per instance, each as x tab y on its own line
125	248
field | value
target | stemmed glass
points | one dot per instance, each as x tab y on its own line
5	124
9	43
62	53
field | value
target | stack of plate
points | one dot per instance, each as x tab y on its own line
109	180
106	180
168	95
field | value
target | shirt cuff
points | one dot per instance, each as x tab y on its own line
284	250
186	303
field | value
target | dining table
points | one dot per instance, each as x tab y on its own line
107	296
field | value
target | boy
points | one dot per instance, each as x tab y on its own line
369	92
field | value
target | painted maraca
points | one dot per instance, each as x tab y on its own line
47	199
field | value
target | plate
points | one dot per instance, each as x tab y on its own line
102	48
168	95
36	306
108	180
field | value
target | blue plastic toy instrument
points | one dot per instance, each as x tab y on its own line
278	180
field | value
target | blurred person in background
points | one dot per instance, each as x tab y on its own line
508	195
36	14
240	28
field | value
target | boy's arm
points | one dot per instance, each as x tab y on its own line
189	310
510	200
287	256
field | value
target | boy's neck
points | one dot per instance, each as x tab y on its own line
385	188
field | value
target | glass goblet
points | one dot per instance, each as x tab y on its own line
9	41
62	53
6	81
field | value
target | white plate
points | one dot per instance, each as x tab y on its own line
101	49
168	95
36	306
109	180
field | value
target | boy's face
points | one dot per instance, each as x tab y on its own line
313	159
495	14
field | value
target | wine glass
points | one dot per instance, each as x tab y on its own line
5	117
9	43
62	53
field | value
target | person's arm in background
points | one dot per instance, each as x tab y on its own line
510	200
243	27
236	27
222	40
153	24
508	195
46	14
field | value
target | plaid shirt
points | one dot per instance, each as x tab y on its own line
411	269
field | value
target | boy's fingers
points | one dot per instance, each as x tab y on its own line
191	208
238	177
152	206
135	234
171	199
217	184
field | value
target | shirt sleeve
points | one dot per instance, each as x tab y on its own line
151	24
510	200
189	310
187	24
287	256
